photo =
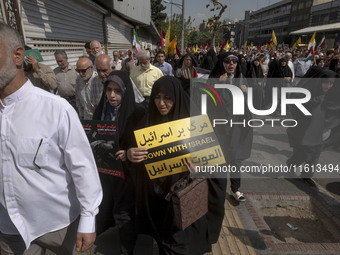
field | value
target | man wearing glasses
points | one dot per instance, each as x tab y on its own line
49	185
89	88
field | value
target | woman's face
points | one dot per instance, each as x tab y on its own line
256	62
114	94
283	63
188	61
163	103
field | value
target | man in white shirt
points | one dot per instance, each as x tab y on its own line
89	89
117	63
49	185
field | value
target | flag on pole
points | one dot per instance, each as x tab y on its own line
172	46
323	39
162	40
310	55
245	45
274	38
312	42
251	45
167	40
298	41
135	42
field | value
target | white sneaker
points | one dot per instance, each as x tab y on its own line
238	196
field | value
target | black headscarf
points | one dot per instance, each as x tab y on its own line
243	65
171	87
219	69
280	71
127	106
209	60
255	71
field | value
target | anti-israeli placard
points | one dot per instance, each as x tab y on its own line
170	145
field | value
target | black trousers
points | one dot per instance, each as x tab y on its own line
235	177
118	209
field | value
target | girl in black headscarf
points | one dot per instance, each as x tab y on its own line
307	137
256	81
118	204
168	102
186	70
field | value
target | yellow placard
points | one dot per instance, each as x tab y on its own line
170	145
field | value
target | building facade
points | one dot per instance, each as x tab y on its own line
68	24
261	23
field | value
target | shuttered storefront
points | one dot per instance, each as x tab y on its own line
146	39
2	19
50	25
119	34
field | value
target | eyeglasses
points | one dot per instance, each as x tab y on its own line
82	70
229	60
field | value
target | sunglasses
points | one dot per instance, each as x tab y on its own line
229	60
82	70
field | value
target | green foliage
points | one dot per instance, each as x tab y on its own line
176	28
157	15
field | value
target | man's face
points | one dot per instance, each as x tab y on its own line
115	56
85	70
62	62
122	55
89	52
96	48
7	67
230	64
160	58
144	62
103	70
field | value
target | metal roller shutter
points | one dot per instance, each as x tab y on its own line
50	25
119	34
2	19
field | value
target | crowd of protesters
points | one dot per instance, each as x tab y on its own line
137	91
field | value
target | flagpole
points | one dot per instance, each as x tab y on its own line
182	41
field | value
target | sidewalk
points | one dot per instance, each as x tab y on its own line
259	225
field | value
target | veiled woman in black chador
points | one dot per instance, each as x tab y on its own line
236	140
308	136
168	102
118	204
256	81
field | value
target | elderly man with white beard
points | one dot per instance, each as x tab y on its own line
145	74
50	189
89	88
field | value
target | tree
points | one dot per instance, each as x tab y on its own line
157	15
176	28
214	23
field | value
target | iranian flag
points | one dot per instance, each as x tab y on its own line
135	41
322	42
310	55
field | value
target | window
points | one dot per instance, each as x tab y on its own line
294	7
308	4
300	6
